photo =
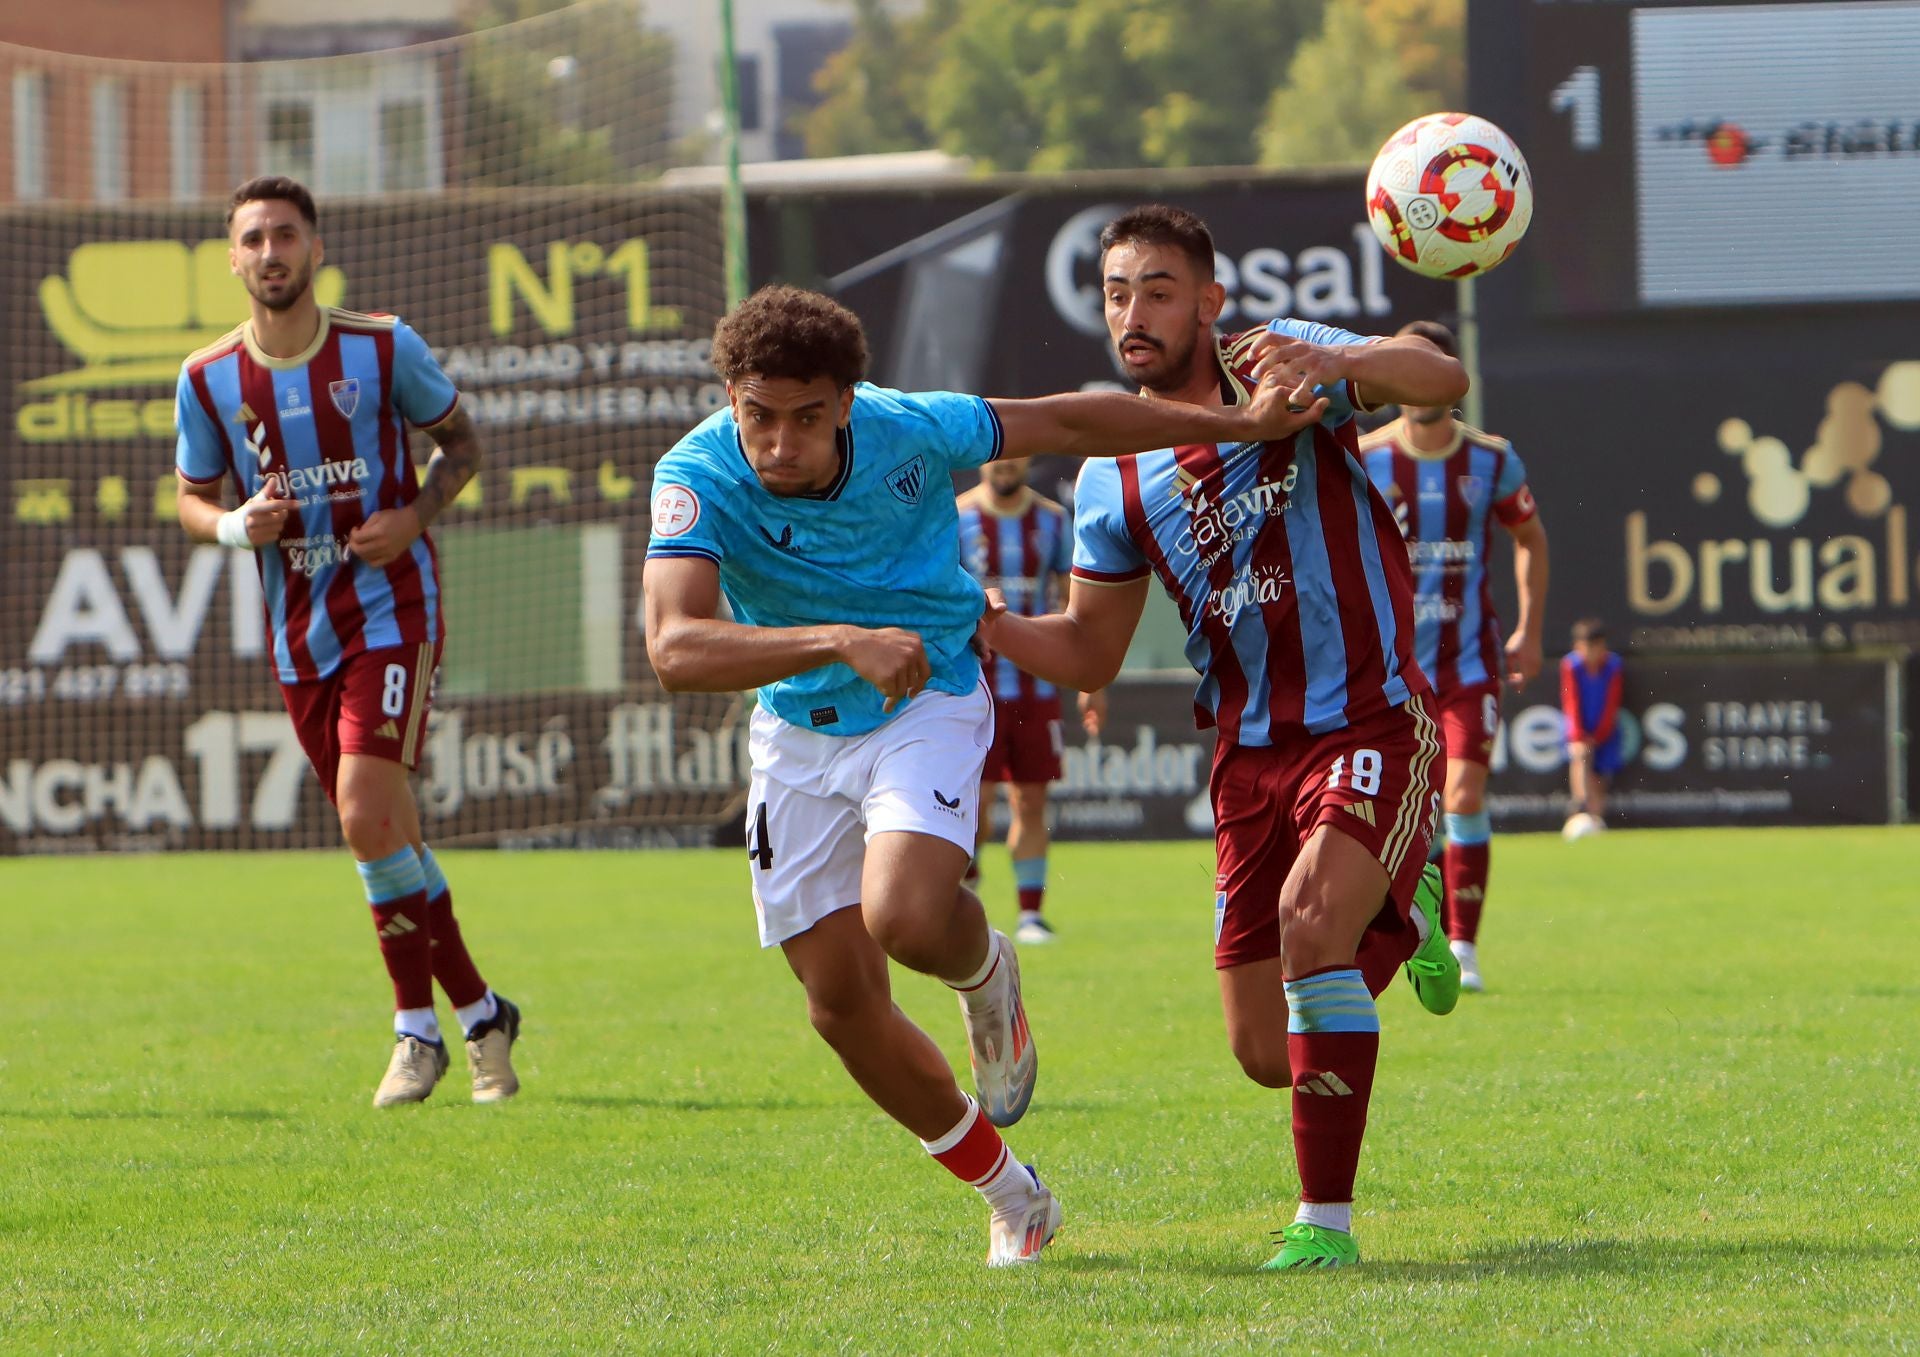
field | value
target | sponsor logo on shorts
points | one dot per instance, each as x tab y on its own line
1219	915
389	730
950	807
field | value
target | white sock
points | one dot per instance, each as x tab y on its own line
972	984
1327	1215
416	1022
477	1012
1010	1186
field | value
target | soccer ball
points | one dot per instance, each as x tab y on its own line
1581	825
1449	195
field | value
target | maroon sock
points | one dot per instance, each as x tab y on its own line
452	966
1030	898
1333	1064
406	945
1464	867
1382	953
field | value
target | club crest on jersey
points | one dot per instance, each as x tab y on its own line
1473	489
346	395
908	479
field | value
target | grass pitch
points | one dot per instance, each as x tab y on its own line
1684	1119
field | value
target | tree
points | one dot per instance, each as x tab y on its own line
561	93
1063	84
873	85
1375	65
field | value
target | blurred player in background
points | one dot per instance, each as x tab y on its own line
819	505
1293	581
1448	484
1591	679
1014	539
306	409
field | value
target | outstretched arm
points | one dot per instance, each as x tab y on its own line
694	651
1081	647
1112	424
1404	370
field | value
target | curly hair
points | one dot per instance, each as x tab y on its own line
783	331
1158	224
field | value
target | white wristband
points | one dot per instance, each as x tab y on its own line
231	530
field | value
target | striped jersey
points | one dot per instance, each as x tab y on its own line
1447	502
1026	554
1286	565
327	427
879	547
1590	699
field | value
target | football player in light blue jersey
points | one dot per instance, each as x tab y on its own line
822	508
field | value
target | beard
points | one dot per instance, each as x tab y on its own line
294	287
1168	371
1425	415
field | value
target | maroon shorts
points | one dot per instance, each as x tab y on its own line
375	703
1026	741
1378	780
1469	719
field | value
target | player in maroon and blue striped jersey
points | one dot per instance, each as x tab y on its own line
1293	582
1448	484
1014	539
305	409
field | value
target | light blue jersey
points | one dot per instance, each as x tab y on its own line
880	547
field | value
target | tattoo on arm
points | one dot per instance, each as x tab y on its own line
453	464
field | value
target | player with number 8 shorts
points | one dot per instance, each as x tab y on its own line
305	409
1293	584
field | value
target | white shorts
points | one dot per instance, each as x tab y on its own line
814	800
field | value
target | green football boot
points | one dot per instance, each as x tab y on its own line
1433	971
1303	1245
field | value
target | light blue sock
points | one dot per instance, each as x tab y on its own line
1469	829
393	877
1331	1001
436	881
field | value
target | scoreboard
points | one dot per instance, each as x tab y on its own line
1709	155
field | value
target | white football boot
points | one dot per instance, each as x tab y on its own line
1018	1233
999	1045
415	1068
1469	958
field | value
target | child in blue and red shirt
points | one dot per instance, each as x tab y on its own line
1590	684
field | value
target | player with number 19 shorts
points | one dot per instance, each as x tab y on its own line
1293	584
